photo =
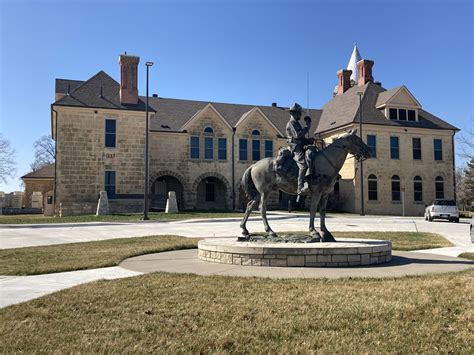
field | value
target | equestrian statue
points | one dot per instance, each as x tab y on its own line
300	169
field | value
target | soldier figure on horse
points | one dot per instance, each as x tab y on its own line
300	146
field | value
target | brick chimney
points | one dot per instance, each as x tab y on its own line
364	67
128	79
344	84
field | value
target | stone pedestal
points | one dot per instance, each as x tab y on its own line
103	204
171	203
343	253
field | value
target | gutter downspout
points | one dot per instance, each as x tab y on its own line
233	168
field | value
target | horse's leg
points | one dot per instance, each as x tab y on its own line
250	206
327	236
263	210
312	214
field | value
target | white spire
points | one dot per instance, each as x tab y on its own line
355	57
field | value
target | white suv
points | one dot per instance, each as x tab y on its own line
442	209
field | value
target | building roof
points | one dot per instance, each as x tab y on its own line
172	114
343	110
100	91
63	86
46	172
352	65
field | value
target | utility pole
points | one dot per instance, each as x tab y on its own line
145	202
362	211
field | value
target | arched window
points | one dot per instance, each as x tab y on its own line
439	187
396	188
208	144
256	145
417	189
372	182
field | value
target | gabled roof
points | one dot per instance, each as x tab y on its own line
343	110
46	172
386	96
257	109
172	114
207	107
100	91
63	85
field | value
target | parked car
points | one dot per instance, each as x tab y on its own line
442	209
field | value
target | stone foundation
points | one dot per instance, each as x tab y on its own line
344	253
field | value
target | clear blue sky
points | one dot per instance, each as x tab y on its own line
254	52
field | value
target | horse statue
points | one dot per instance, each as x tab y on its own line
281	173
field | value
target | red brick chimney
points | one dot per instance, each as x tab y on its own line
129	79
364	68
344	84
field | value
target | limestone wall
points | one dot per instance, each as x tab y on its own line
33	185
82	158
383	167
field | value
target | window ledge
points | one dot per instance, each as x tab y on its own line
396	202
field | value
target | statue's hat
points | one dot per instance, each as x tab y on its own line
296	108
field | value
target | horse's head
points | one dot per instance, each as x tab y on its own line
355	145
283	153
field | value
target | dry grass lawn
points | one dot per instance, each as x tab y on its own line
124	217
88	255
179	313
404	241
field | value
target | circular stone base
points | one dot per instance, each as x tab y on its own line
343	253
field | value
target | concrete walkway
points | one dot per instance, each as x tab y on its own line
18	236
402	264
17	289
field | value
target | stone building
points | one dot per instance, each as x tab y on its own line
40	184
201	149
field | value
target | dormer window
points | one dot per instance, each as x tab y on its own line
398	104
402	114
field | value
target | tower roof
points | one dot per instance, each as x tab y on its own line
355	57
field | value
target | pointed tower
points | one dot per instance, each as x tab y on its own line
355	57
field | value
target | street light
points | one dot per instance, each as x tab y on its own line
362	211
145	204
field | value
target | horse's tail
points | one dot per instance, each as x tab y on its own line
247	184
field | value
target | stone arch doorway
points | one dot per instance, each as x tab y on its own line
211	194
160	189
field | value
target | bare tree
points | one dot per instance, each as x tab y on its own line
7	160
466	141
45	152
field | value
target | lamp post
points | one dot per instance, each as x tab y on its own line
362	211
145	204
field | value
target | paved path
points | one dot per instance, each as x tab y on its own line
17	289
17	236
402	264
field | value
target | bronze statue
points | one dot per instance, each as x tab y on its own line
282	172
297	142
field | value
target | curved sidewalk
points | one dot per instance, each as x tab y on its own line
402	264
